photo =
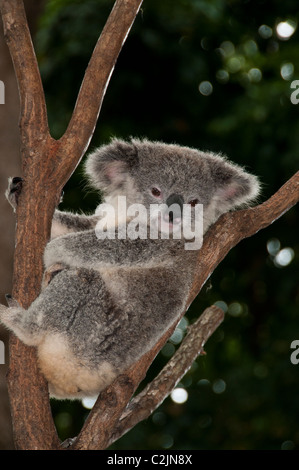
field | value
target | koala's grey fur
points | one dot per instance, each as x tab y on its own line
111	300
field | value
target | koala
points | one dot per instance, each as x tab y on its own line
112	296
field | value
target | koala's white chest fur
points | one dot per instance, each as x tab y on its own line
68	375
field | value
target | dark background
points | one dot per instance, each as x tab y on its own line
244	393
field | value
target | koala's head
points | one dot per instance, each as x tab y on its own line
150	173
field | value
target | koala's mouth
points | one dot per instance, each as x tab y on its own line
166	224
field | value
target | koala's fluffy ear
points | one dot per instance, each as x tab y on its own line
234	186
109	167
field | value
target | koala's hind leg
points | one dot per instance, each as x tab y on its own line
21	322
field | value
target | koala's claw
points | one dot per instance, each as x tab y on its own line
11	302
14	190
16	180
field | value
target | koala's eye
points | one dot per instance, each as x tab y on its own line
193	202
156	192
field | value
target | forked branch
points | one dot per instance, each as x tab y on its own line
147	401
47	164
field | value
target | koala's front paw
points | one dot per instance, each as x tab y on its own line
14	190
11	302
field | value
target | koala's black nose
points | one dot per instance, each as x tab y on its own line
177	201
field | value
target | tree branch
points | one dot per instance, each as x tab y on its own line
228	231
16	32
46	165
233	227
143	405
94	436
31	415
97	77
46	169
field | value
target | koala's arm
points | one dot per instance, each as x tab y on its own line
67	222
84	249
63	222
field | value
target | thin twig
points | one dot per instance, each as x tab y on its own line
155	392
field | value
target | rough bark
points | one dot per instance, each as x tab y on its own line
229	230
127	413
10	165
46	166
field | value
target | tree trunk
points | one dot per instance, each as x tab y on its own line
10	166
46	166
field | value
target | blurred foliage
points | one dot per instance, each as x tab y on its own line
215	75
